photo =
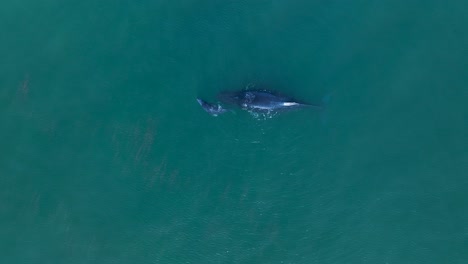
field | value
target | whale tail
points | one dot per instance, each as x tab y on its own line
323	107
212	109
313	106
326	99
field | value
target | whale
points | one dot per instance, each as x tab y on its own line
263	101
212	109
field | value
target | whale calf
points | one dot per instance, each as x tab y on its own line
212	109
262	101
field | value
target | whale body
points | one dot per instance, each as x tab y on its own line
262	101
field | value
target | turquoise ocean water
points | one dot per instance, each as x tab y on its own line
106	157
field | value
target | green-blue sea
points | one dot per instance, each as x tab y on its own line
106	156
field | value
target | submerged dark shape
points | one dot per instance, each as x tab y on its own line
212	109
262	101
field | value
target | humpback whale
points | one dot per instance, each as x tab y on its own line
262	101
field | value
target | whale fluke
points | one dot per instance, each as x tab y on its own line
212	109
